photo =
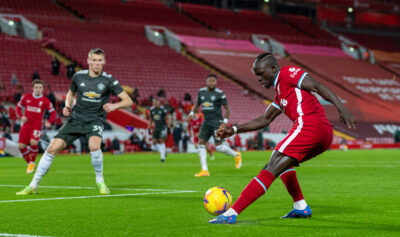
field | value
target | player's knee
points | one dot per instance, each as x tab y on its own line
21	146
94	147
34	142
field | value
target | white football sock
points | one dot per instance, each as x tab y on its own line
300	205
226	150
230	212
42	169
163	150
203	157
157	147
97	162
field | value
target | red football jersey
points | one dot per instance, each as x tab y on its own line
34	108
195	124
298	104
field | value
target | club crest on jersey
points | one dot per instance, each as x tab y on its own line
202	97
283	102
91	94
101	86
213	97
292	69
40	103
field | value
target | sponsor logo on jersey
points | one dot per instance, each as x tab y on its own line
91	94
33	109
101	86
283	102
295	72
207	105
82	84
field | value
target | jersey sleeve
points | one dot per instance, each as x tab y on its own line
74	86
115	87
224	101
49	106
198	101
294	76
22	102
276	103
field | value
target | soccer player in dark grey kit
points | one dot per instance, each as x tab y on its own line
210	99
160	116
92	88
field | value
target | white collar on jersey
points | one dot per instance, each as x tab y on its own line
36	97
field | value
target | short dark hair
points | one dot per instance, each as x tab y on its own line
37	81
271	59
212	75
97	51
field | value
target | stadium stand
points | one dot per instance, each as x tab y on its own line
23	62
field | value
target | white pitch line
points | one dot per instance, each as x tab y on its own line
97	196
66	187
21	235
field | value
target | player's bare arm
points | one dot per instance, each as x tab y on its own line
260	122
193	112
227	113
346	117
125	102
68	103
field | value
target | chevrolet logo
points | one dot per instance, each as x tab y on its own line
207	104
91	94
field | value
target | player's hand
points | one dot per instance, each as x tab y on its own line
67	111
224	131
47	124
188	118
348	118
110	107
24	119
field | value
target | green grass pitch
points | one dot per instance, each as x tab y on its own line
353	193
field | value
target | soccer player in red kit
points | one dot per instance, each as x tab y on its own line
310	136
34	106
194	130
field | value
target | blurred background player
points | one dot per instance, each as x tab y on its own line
194	129
211	99
92	88
310	135
159	115
30	109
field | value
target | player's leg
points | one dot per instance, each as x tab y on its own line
224	148
163	149
97	161
56	145
209	151
257	187
204	135
289	178
23	142
24	149
34	144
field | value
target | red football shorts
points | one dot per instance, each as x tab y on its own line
306	140
196	137
29	132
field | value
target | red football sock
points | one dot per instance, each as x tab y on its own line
289	178
34	151
25	154
256	188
